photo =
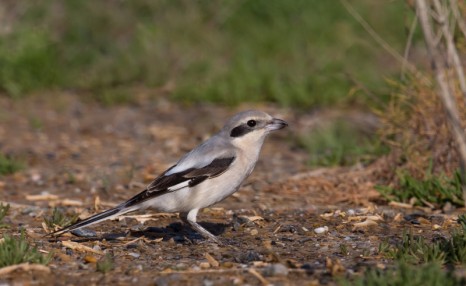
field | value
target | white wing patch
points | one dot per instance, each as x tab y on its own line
179	186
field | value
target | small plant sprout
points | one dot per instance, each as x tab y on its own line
16	250
59	219
106	264
9	165
430	274
3	212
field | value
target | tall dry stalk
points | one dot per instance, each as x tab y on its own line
435	19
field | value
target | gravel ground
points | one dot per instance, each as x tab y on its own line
288	225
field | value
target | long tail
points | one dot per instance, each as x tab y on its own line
106	215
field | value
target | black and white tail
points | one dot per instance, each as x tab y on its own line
106	215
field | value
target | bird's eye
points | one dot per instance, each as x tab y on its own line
252	123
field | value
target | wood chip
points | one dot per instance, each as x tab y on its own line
254	218
398	217
70	203
400	205
97	203
44	197
80	247
24	267
363	224
212	261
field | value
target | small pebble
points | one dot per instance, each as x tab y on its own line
436	227
131	246
276	269
181	267
321	230
84	232
134	254
204	265
254	232
351	212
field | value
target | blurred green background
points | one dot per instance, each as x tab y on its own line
300	53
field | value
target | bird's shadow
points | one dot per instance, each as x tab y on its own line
180	233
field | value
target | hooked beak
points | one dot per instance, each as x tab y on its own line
276	124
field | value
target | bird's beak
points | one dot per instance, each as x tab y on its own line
276	124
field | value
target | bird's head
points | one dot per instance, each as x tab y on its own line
251	126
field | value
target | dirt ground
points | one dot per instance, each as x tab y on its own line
288	224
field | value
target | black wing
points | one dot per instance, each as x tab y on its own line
193	176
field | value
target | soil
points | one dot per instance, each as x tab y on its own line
288	224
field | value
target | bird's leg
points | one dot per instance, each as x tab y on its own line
190	218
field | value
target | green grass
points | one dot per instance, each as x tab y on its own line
433	189
106	264
16	250
60	219
9	165
3	212
416	250
419	261
341	144
301	53
403	274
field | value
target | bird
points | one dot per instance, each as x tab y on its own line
203	177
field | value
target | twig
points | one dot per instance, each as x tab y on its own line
444	92
408	45
452	51
457	15
25	267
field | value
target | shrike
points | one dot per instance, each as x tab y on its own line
206	175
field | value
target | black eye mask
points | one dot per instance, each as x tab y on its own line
243	129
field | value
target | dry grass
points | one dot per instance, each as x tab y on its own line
415	127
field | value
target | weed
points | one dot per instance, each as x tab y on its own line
14	250
433	189
9	165
106	264
59	219
430	274
344	249
340	143
414	250
3	212
455	247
